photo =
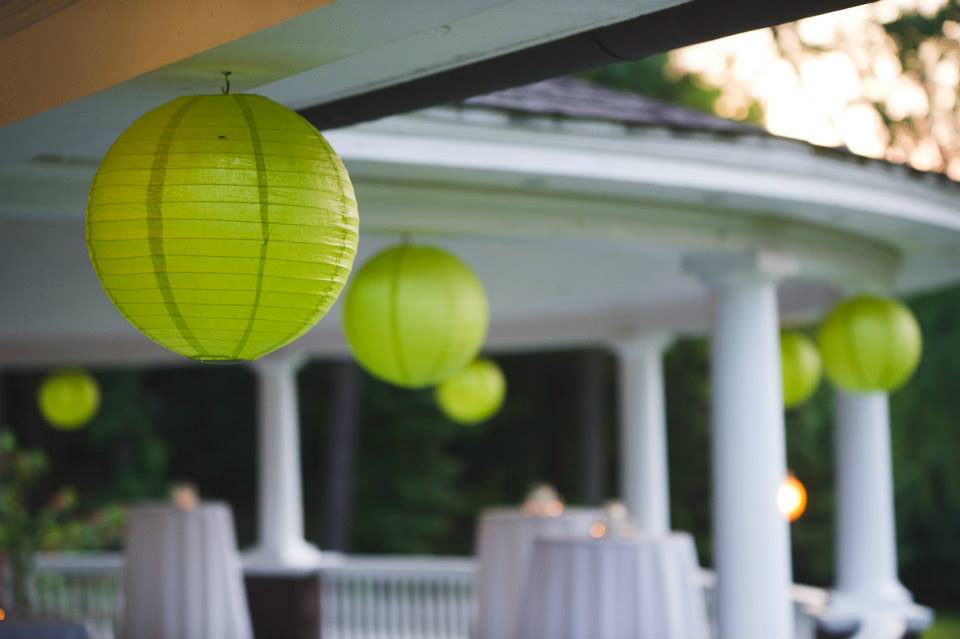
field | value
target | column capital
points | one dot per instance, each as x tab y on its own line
653	341
722	270
279	362
849	288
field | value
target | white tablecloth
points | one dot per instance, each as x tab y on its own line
504	542
613	588
183	578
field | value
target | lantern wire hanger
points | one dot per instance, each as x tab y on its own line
225	90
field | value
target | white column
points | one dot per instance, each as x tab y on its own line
867	591
751	538
644	477
280	495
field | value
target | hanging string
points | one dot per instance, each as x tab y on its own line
226	82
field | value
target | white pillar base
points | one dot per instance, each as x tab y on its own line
868	594
874	619
294	554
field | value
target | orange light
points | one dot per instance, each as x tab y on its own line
792	498
184	497
543	501
597	530
3	614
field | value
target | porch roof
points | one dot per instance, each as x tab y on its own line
579	224
577	99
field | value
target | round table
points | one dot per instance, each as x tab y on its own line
505	539
643	587
182	575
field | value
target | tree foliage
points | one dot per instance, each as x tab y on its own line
922	52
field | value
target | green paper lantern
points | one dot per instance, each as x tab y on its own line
869	344
68	399
474	394
415	315
222	226
800	368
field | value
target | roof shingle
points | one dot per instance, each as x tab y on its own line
579	99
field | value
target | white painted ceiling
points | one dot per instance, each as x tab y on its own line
345	48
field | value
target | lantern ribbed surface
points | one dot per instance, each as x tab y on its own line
474	394
800	368
222	226
869	344
415	315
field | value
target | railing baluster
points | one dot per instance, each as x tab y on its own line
349	615
402	607
362	598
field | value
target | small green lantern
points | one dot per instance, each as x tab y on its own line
68	399
415	315
474	394
800	368
870	344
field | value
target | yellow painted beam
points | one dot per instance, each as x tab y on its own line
84	46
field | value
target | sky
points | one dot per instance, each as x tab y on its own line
822	96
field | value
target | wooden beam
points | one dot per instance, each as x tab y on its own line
84	46
678	26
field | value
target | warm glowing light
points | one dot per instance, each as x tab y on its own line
3	614
184	497
619	523
543	501
792	498
552	508
597	530
616	511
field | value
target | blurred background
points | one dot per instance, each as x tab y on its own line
881	80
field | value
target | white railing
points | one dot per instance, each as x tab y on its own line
361	597
397	598
84	588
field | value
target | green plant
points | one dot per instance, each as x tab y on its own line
29	522
945	626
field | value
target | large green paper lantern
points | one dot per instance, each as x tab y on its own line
800	368
474	394
68	399
415	315
869	344
222	226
